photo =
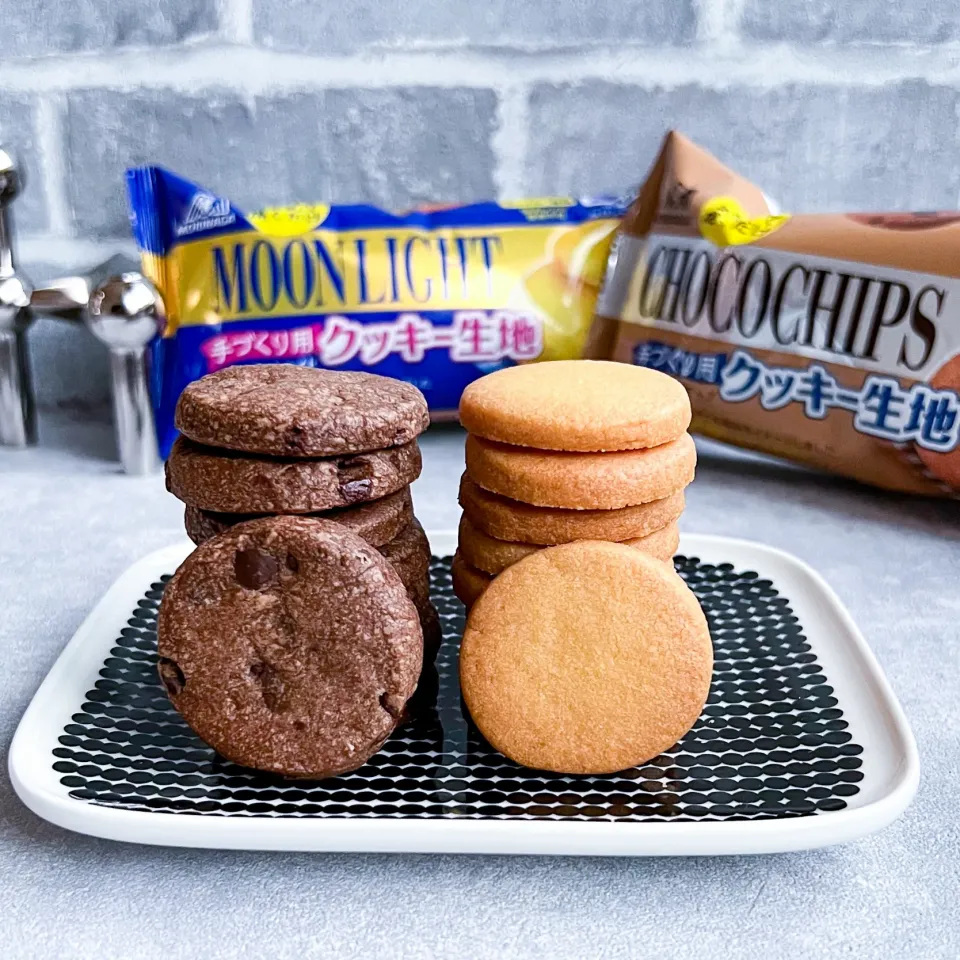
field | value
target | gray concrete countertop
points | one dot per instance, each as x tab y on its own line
70	524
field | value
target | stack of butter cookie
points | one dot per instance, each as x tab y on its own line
278	439
567	451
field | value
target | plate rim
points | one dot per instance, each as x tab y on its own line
458	835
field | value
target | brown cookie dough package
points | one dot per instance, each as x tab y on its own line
830	339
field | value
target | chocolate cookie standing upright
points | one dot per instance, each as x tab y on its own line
290	645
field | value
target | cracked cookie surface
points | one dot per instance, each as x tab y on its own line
285	410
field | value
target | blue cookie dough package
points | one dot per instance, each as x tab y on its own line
436	297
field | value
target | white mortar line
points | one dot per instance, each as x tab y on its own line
53	165
253	72
236	21
718	23
510	142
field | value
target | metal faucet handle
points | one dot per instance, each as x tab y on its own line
121	308
125	312
11	179
66	298
16	293
18	427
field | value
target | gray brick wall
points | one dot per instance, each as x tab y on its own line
18	129
395	147
853	21
842	104
39	28
524	24
812	146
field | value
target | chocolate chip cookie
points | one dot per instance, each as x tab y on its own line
284	410
225	481
432	634
377	522
290	645
409	552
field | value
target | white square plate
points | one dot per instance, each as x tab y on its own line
815	748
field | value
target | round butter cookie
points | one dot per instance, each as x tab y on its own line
582	481
579	405
492	556
468	582
587	658
522	523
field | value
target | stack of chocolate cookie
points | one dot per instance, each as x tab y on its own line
293	639
566	451
271	440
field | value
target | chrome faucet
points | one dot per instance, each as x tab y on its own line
119	306
18	424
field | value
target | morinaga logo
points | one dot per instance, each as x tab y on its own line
771	297
205	213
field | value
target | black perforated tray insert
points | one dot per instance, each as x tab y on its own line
772	741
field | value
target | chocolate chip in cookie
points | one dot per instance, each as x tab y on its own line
225	481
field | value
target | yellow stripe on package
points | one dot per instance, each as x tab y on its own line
436	297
